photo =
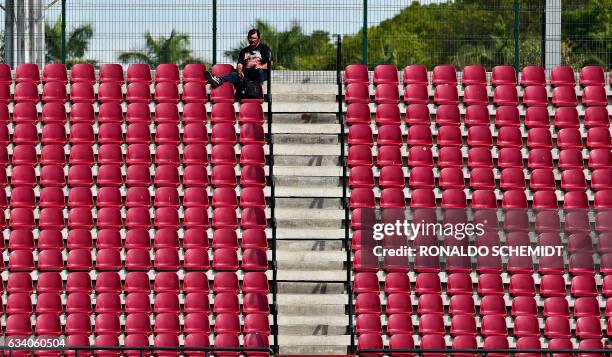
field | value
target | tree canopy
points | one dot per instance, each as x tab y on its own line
461	32
172	49
77	43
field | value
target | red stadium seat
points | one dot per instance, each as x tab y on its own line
222	94
109	92
505	95
564	97
562	76
385	73
386	94
356	73
598	138
507	116
503	75
415	74
475	95
82	92
444	74
446	94
111	73
138	92
536	96
592	76
594	96
537	117
194	72
533	76
477	115
415	94
474	74
448	115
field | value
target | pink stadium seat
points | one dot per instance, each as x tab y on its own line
138	92
386	94
251	133
533	76
139	72
536	96
475	95
415	74
386	114
223	133
419	135
194	72
562	76
417	156
251	113
195	92
601	180
5	74
503	75
83	72
477	115
507	116
222	113
166	92
539	138
564	96
110	113
111	73
592	76
447	157
474	74
526	326
448	115
446	94
566	117
385	73
51	113
594	96
598	138
451	177
389	135
24	92
537	117
415	94
82	92
422	198
166	73
505	95
109	92
360	135
596	116
444	74
27	72
138	113
356	73
54	92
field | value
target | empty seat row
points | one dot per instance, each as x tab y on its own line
476	74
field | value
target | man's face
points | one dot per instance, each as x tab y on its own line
253	40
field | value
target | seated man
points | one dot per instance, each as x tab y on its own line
252	64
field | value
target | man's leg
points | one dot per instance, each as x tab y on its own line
257	75
232	78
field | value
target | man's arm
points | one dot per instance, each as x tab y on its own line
239	69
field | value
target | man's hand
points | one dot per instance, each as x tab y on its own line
240	72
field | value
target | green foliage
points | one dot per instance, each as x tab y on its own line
77	43
172	49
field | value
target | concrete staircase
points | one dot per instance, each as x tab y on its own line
312	296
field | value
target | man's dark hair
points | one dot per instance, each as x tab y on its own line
252	31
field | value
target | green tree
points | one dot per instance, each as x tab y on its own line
77	43
172	49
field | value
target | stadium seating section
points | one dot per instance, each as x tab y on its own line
135	208
468	140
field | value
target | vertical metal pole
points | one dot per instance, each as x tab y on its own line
364	41
9	39
64	31
214	34
543	35
516	36
272	208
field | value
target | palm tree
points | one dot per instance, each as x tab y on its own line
77	43
172	49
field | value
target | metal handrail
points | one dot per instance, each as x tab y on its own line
272	209
345	205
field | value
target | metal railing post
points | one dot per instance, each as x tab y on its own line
214	33
345	206
516	36
272	209
64	31
364	42
543	35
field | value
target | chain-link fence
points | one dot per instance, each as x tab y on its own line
302	33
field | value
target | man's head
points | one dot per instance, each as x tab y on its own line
253	37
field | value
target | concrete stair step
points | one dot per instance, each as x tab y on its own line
318	245
299	202
314	340
305	118
302	181
311	299
312	289
305	139
312	275
306	128
302	149
311	350
314	171
311	260
313	328
328	106
296	191
313	310
315	214
305	160
308	234
302	97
